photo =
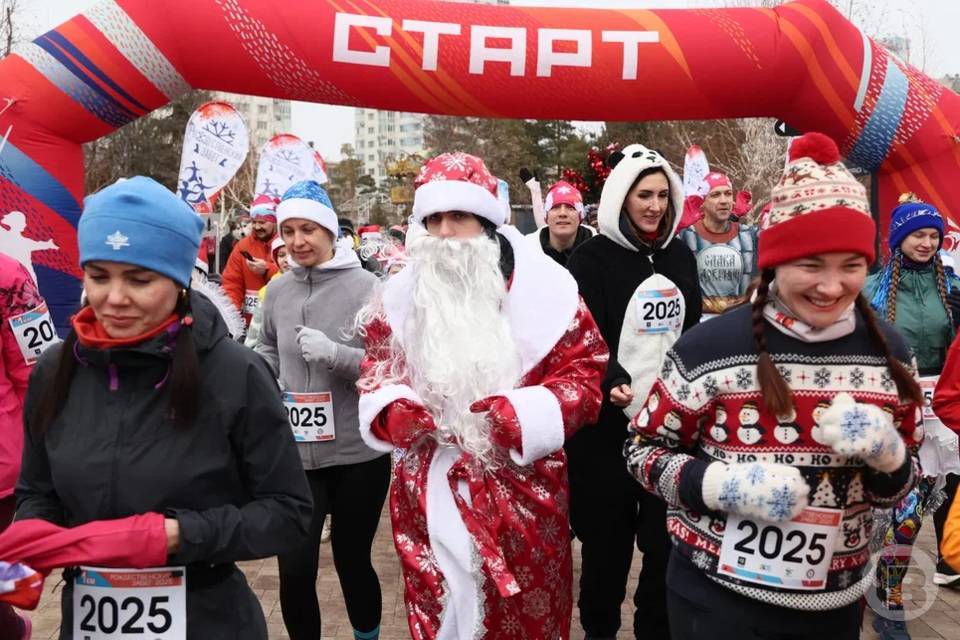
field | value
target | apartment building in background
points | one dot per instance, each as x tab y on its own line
383	134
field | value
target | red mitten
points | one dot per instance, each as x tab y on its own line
504	425
403	422
136	541
20	585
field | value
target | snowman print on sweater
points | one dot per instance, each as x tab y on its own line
750	432
817	432
670	429
643	418
787	430
719	431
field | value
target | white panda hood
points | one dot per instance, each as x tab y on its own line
629	163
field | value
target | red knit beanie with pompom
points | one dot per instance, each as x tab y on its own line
817	207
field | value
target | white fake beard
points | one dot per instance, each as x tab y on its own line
457	341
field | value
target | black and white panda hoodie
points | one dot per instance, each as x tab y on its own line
610	269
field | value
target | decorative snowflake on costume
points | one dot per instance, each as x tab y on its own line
786	373
856	378
821	377
886	381
683	393
455	162
844	579
701	559
744	378
855	424
730	494
549	531
536	603
510	625
426	562
667	368
710	386
756	475
781	503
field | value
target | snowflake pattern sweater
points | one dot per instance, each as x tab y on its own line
707	406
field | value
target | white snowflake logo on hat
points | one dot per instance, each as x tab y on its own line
117	240
455	161
564	189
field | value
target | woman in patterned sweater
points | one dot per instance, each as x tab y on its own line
771	444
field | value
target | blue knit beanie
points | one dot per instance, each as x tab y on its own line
140	222
910	217
307	200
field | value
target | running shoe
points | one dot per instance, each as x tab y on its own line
890	629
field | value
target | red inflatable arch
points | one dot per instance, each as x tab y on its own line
801	62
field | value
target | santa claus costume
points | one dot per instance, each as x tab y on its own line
481	360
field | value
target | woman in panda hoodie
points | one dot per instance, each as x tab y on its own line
770	516
642	287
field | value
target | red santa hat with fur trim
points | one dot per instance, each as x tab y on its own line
457	182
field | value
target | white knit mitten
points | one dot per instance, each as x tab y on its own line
757	490
864	430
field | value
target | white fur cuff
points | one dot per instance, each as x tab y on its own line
371	404
541	423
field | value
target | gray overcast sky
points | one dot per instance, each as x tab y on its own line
329	127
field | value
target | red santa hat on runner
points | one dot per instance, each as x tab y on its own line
716	179
564	193
457	182
817	207
264	207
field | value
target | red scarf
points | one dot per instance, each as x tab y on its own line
92	335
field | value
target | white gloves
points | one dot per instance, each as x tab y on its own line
756	490
315	346
864	430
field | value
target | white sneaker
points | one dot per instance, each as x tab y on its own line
325	534
946	579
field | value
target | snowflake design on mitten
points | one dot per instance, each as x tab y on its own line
781	503
855	424
730	494
756	475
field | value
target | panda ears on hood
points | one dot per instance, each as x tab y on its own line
614	158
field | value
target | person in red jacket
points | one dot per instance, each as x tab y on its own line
26	330
250	266
946	396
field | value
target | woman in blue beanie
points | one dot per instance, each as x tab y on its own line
306	312
148	406
915	292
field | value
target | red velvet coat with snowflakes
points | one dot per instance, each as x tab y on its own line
513	575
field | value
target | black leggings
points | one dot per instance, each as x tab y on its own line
700	608
353	496
940	517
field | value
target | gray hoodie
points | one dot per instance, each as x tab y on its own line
326	297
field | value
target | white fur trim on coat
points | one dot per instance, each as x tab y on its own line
637	158
456	195
462	615
371	404
541	423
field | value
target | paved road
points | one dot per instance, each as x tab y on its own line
940	622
